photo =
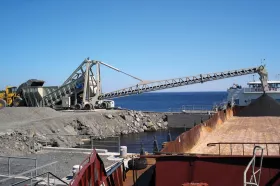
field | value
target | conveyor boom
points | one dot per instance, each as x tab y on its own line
177	82
63	91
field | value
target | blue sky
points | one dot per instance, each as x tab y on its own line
152	40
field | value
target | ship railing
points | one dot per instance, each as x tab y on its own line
192	108
47	178
243	144
44	173
256	175
259	89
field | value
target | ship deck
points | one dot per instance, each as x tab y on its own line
139	175
241	130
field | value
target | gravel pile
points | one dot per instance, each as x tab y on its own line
263	106
24	114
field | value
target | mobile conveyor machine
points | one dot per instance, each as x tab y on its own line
82	89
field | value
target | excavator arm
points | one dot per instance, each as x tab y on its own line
177	82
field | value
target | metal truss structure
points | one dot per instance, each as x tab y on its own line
177	82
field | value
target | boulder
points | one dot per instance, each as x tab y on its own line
37	147
145	128
149	124
54	143
24	138
160	120
9	132
159	125
109	116
41	137
2	134
152	128
127	117
164	118
140	114
136	124
124	132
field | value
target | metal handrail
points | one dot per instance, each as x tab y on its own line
191	108
253	163
259	89
42	179
14	157
29	171
244	143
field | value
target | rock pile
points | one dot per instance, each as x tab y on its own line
263	106
140	122
31	131
13	142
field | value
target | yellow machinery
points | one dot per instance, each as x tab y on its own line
9	97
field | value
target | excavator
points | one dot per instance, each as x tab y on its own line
9	97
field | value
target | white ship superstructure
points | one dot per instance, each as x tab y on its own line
243	96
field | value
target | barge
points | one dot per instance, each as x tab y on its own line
236	146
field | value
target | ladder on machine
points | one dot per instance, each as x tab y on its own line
256	175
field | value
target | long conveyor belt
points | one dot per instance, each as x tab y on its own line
177	82
64	91
69	87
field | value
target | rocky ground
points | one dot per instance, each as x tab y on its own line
26	130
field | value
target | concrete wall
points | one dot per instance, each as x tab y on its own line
181	120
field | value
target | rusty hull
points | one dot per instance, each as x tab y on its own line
224	167
213	170
188	140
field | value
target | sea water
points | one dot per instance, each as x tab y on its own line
160	102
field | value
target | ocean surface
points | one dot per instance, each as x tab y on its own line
161	102
164	101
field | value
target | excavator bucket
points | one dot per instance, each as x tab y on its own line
18	102
2	103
